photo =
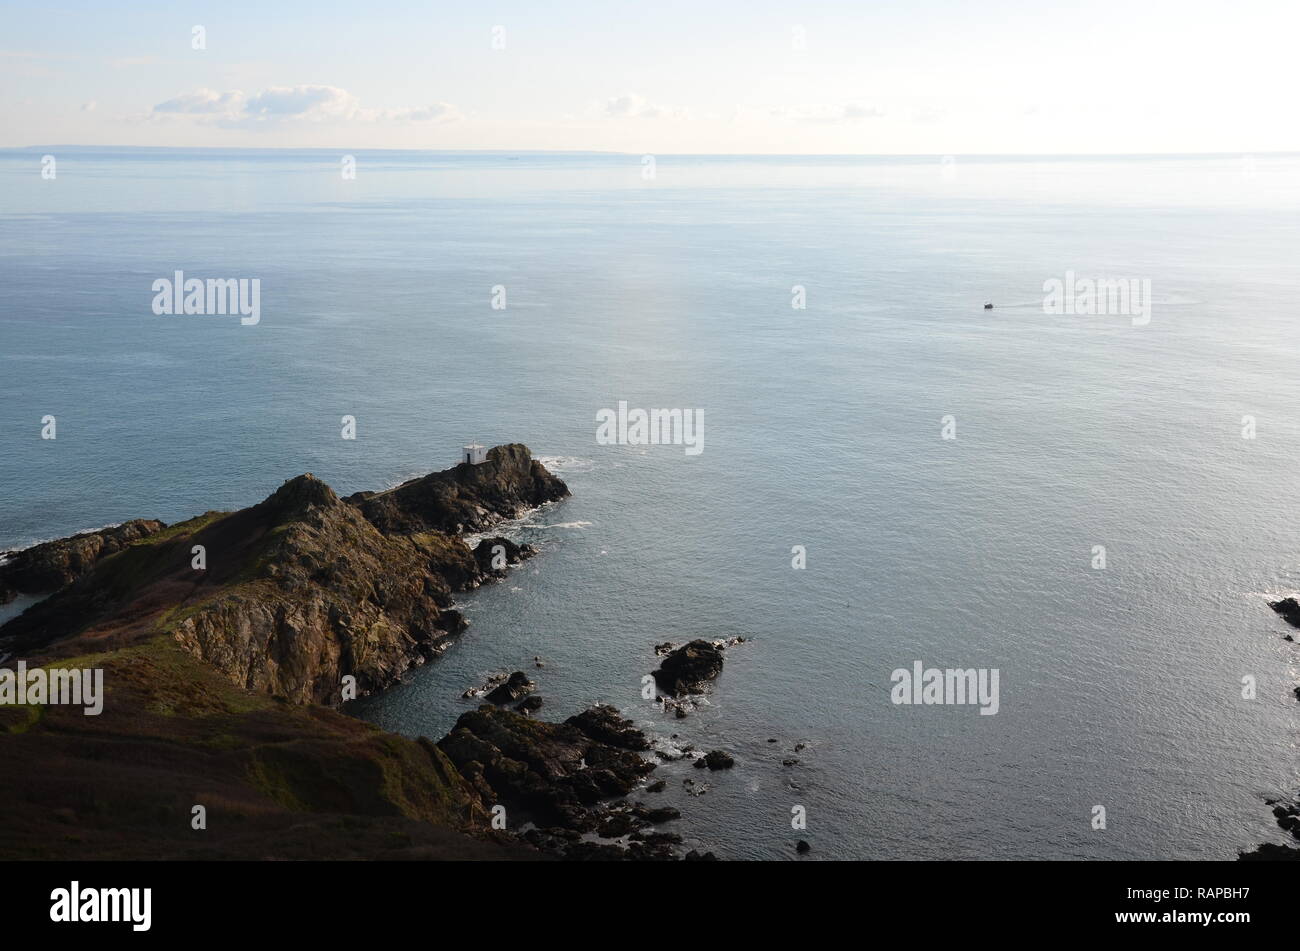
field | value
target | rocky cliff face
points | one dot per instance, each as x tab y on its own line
301	590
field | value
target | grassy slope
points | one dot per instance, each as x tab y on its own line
278	781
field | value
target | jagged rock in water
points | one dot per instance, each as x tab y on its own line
493	555
603	723
517	685
1289	608
715	760
553	774
689	669
1269	852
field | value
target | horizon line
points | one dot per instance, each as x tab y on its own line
335	149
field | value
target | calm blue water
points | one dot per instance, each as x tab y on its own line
822	428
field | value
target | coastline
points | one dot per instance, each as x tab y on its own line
369	569
230	666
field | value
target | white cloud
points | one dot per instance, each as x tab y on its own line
855	111
827	113
436	112
203	102
631	106
301	103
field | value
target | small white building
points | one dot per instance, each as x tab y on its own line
474	454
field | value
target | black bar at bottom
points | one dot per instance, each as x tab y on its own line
334	900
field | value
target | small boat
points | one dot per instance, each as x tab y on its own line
988	306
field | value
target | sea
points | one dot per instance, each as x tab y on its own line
1095	502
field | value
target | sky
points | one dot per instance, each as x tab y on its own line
657	76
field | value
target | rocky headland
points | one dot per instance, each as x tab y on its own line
227	641
290	596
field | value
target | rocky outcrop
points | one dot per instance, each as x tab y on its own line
1269	852
566	781
52	565
494	555
715	760
515	687
550	774
297	592
604	725
1289	608
689	669
467	498
1287	814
